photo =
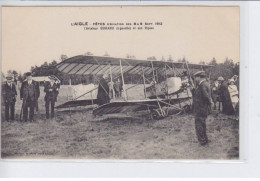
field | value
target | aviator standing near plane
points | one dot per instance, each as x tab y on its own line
166	90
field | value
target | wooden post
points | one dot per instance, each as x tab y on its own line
156	75
155	83
165	69
70	81
123	81
92	103
153	70
111	80
144	82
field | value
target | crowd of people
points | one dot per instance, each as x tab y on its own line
29	94
225	94
108	90
205	96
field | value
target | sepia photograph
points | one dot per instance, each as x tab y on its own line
121	83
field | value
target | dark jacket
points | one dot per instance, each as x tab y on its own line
103	92
51	91
30	92
9	92
202	99
225	99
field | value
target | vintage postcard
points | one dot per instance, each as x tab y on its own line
120	82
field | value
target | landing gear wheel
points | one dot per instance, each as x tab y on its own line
186	109
165	113
159	114
155	114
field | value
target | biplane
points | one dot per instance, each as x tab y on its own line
166	85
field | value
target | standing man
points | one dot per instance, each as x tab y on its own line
103	91
201	106
36	105
111	89
57	82
51	89
118	88
9	97
214	93
29	93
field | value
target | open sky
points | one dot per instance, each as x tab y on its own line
33	35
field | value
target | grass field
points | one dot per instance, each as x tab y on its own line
75	135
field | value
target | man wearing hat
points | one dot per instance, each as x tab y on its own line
29	93
51	89
236	81
220	80
9	97
201	106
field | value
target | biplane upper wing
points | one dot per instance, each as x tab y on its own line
135	105
98	65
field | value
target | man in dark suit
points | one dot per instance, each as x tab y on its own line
9	97
29	93
51	88
201	106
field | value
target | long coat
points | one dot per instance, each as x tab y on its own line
30	92
202	99
9	93
51	91
225	99
103	92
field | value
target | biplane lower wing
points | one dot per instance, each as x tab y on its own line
136	105
76	103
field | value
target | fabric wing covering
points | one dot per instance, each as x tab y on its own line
77	92
97	65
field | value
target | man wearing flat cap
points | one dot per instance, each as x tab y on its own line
201	106
51	89
29	93
9	97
